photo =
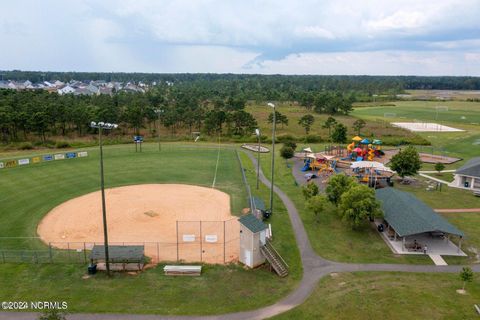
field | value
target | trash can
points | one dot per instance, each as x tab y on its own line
466	184
92	268
380	228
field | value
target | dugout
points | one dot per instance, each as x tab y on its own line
121	258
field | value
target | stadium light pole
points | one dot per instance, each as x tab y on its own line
274	126
103	126
257	133
159	112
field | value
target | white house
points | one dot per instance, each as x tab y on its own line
66	90
468	176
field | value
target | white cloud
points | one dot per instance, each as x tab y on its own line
234	36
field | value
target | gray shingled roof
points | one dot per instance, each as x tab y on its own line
471	168
408	215
252	223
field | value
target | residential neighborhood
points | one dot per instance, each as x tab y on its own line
75	87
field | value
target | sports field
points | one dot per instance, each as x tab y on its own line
27	193
458	114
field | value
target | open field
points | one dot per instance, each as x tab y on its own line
460	114
28	193
295	112
393	296
446	94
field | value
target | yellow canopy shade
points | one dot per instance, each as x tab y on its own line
357	138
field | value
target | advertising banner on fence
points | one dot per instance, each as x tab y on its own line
11	164
22	162
82	154
47	157
71	155
36	159
59	156
2	165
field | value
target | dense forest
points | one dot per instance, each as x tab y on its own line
37	112
265	86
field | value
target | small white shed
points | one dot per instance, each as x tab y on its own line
253	235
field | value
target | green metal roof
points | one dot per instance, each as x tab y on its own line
252	223
471	168
408	215
118	253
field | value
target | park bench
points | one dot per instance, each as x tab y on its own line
171	270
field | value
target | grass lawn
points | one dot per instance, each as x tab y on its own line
460	114
219	289
393	296
469	223
330	237
448	198
28	193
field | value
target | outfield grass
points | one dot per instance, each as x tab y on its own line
28	193
393	296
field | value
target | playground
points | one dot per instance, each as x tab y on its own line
167	214
361	158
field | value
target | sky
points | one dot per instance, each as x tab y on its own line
373	37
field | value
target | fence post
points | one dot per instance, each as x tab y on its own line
84	253
50	252
158	253
201	243
69	255
224	242
177	243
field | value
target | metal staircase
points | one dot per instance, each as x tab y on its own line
275	260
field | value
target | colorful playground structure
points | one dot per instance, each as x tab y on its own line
362	149
357	159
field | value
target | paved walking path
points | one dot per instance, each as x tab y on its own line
433	178
473	210
438	260
314	268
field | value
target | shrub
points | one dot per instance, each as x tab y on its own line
26	146
286	137
313	138
287	152
62	145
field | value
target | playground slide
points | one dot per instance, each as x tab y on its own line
306	167
371	155
350	147
334	166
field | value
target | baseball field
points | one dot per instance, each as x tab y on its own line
58	202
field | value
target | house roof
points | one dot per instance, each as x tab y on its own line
471	168
252	223
408	215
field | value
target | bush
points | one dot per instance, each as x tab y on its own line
290	144
287	152
309	190
313	138
62	145
26	146
286	137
